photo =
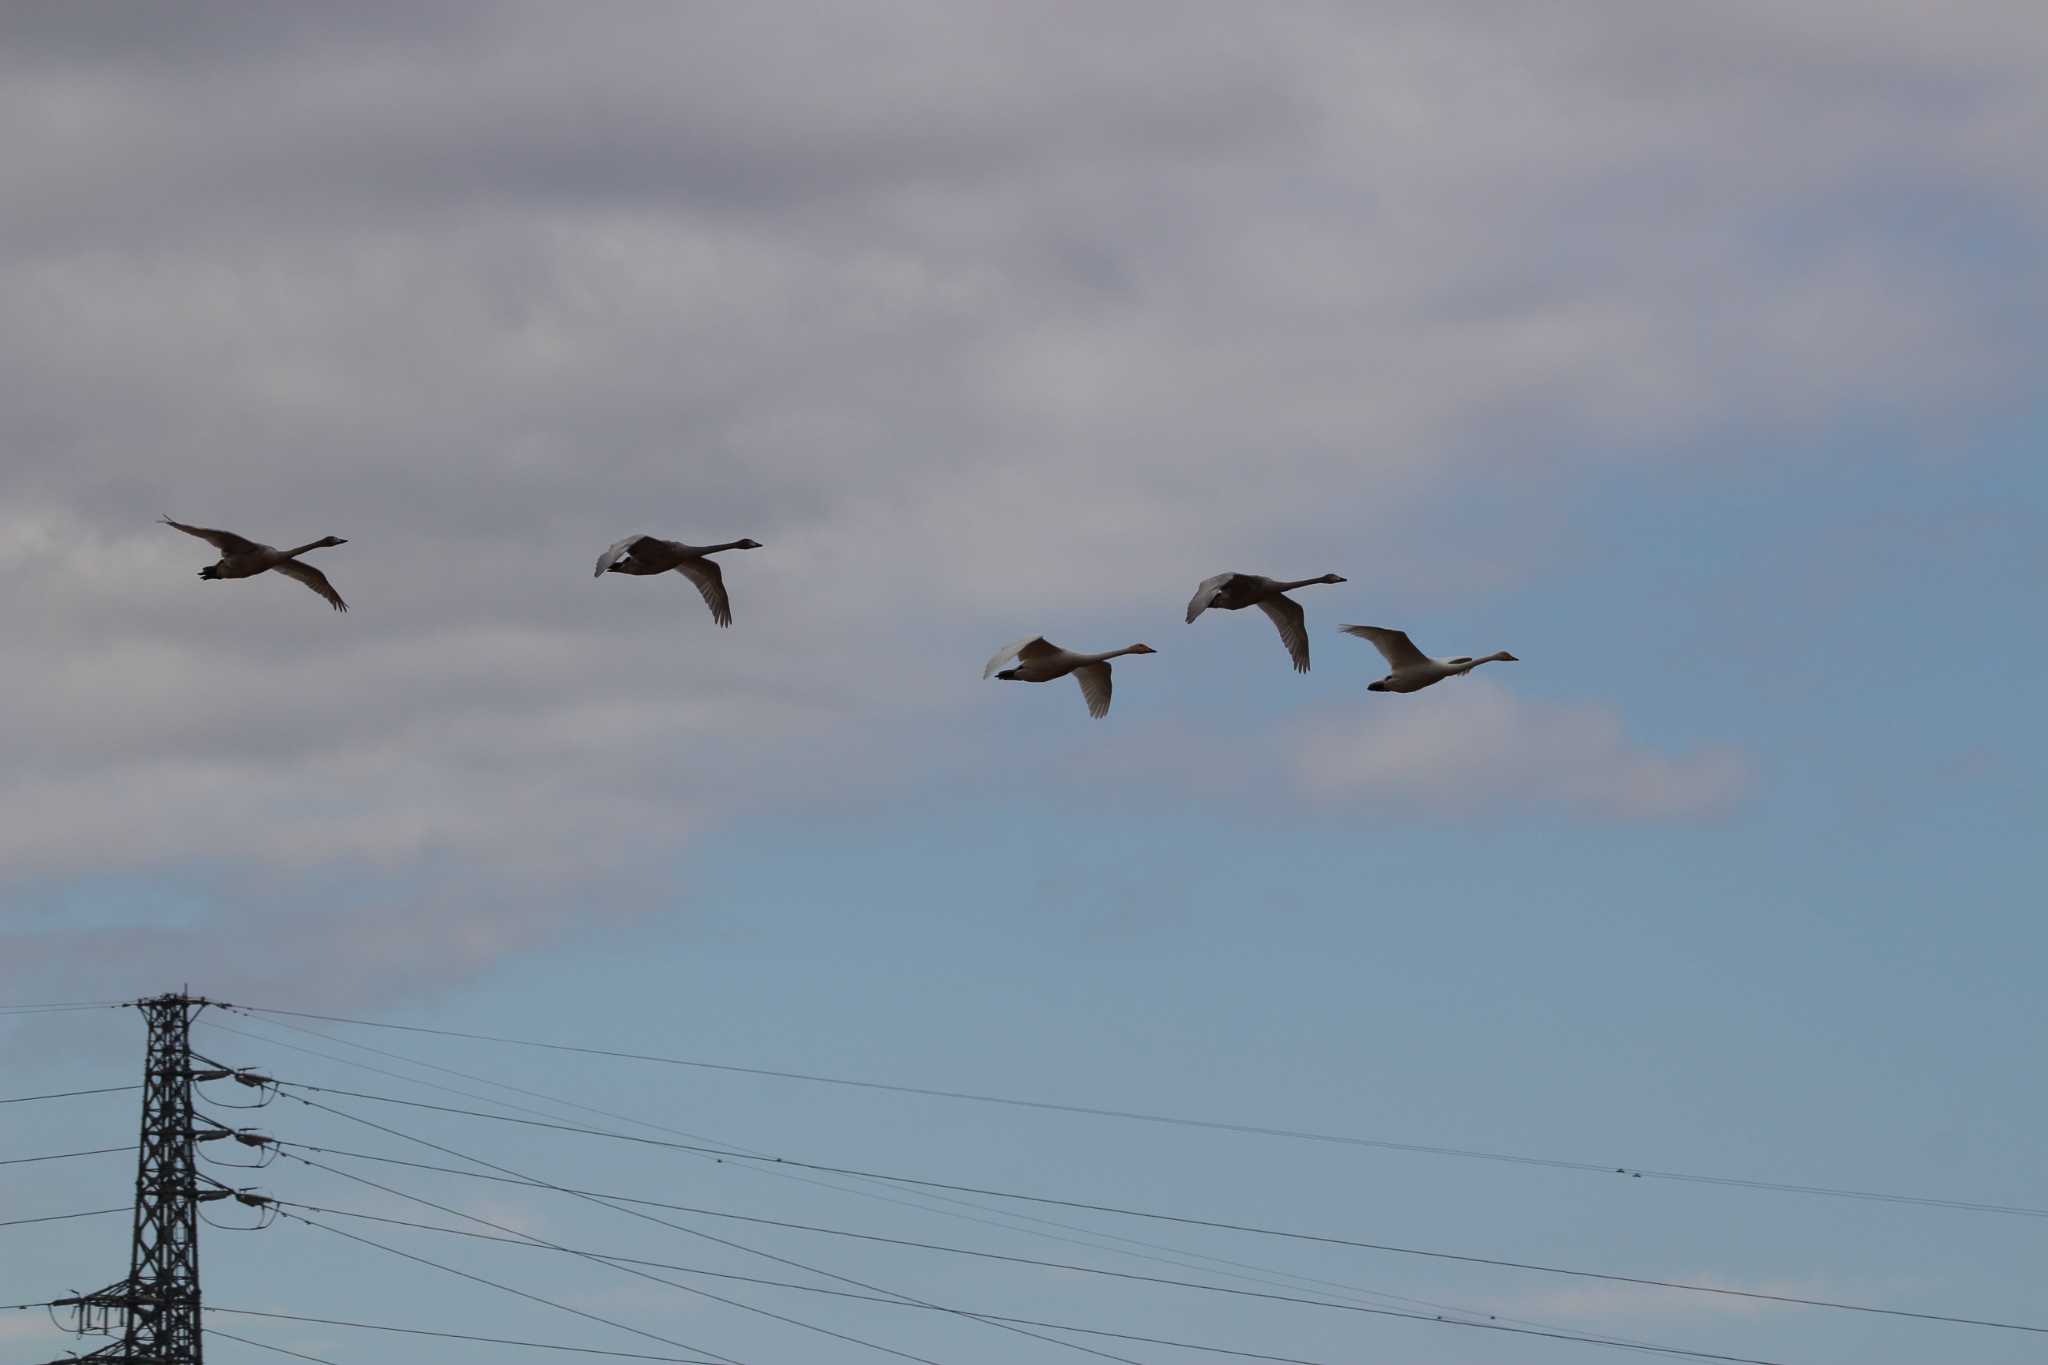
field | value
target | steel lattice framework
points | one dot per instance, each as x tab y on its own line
158	1304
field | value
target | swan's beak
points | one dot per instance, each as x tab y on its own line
1508	658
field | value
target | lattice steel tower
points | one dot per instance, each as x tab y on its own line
159	1300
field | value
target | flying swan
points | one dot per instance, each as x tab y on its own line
1412	670
649	554
1235	591
1040	660
241	558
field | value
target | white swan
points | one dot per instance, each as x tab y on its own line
649	554
1412	669
1040	660
240	558
1234	591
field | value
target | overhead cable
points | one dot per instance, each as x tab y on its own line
691	1289
867	1187
1217	1125
520	1293
60	1217
266	1346
1217	1224
64	1156
1582	1339
1442	1319
67	1094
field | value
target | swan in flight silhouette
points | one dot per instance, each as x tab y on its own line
1412	670
1235	591
1040	660
650	554
240	558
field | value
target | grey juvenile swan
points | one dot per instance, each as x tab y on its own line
1040	660
649	554
1412	669
241	558
1235	591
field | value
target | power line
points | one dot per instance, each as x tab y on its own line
1190	1284
1583	1339
266	1346
1181	1258
923	1201
1215	1125
679	1228
1175	1218
735	1303
67	1094
528	1239
421	1332
63	1156
1008	1220
525	1109
520	1293
414	1080
621	1262
905	1355
456	1336
60	1217
990	1255
64	1005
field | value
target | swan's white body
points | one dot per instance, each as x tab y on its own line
243	558
651	555
1411	669
1039	660
1234	591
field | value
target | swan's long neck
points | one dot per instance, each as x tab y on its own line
1499	657
714	549
1119	653
1300	583
294	554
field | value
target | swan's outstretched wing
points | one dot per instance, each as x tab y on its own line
227	542
1394	645
1286	615
313	579
1207	594
1037	647
616	553
710	581
1095	688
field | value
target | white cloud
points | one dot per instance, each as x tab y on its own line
1607	1303
1470	746
983	321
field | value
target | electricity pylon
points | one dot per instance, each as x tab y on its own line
157	1306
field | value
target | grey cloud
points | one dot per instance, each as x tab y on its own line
983	317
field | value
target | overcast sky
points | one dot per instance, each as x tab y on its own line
1688	352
